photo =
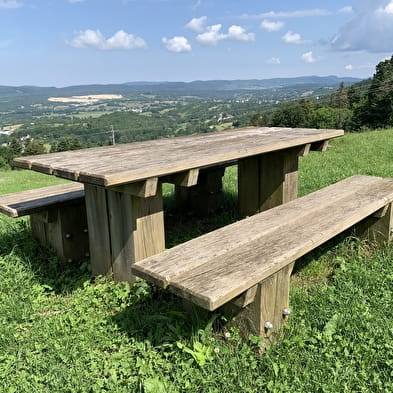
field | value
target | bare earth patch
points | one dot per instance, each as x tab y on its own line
86	99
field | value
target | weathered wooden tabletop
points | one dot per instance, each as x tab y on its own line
126	163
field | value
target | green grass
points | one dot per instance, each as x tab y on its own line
20	180
369	153
62	332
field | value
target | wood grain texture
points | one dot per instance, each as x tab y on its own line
278	178
99	235
136	230
149	235
270	300
282	295
263	308
249	178
184	179
23	203
125	163
123	229
143	189
218	266
268	180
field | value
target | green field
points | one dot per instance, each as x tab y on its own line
62	332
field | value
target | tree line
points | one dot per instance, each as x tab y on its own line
364	105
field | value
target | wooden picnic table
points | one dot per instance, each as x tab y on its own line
123	182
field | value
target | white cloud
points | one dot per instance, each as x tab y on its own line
293	38
11	4
197	24
346	10
370	29
349	67
177	44
389	8
289	14
273	60
308	57
270	26
119	41
239	33
212	35
76	1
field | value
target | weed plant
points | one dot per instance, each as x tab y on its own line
61	331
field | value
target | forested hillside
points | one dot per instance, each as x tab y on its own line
364	105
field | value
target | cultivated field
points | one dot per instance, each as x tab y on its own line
86	99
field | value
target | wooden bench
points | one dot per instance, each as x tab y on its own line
248	264
57	217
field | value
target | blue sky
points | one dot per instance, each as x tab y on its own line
66	42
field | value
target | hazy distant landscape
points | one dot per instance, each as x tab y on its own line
37	120
147	110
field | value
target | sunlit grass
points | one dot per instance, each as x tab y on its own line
20	180
61	332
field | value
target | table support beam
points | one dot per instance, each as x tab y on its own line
64	228
377	228
206	196
267	180
123	229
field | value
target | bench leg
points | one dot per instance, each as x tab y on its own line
270	306
206	196
267	180
123	229
378	227
64	229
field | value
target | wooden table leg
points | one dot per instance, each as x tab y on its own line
64	228
267	313
378	227
123	229
263	309
206	196
267	180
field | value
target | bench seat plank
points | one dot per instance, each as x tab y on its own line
163	268
31	201
216	267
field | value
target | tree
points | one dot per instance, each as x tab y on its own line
377	110
354	96
334	118
35	146
16	147
293	114
339	99
6	156
259	120
67	143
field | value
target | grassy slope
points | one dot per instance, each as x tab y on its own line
20	180
61	333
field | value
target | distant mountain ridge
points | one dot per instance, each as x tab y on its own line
250	84
176	87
